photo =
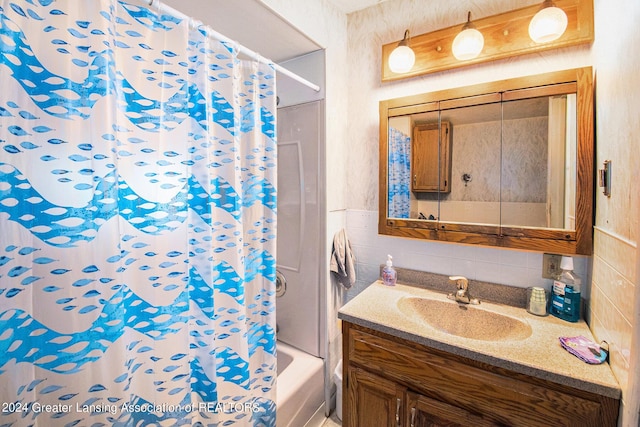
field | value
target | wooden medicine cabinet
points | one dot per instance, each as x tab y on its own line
506	163
430	171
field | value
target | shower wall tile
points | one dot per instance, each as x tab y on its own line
502	266
611	313
617	286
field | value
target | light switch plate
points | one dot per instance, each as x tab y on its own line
550	265
605	178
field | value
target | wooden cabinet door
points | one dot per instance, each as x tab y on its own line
374	401
431	158
392	382
426	412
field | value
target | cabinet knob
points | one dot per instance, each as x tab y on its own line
398	407
413	417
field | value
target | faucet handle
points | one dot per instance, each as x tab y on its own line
461	281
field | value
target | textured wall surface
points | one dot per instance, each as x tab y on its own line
324	24
614	58
615	314
477	150
352	152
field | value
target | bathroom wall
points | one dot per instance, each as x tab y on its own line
614	311
324	24
354	90
476	150
368	30
614	293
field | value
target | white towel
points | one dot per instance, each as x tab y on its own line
343	260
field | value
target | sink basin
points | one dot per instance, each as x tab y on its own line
462	320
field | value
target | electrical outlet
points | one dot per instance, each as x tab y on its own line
550	266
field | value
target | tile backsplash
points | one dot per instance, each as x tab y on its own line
502	266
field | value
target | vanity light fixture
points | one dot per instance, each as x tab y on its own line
402	58
548	24
506	35
468	43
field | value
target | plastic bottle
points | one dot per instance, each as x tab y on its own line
389	274
565	298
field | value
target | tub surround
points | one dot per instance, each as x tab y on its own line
539	356
300	386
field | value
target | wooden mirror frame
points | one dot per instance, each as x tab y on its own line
558	241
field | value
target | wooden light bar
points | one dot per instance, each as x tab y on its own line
505	35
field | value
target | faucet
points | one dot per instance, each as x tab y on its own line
462	294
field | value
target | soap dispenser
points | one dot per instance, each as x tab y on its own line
389	274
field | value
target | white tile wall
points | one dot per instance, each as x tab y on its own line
503	266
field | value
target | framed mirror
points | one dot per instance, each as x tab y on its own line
506	163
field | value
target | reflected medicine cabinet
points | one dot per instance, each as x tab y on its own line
506	163
430	171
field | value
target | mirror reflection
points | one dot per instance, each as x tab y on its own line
538	162
510	162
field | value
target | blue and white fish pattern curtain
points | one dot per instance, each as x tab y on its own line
137	220
399	174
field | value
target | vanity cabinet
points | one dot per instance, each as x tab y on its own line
393	382
431	158
388	404
382	398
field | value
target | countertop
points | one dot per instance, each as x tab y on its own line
540	355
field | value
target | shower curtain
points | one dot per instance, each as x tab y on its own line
137	220
399	174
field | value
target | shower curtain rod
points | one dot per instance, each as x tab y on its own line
242	49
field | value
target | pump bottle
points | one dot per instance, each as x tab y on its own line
389	274
565	298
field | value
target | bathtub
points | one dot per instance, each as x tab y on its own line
300	387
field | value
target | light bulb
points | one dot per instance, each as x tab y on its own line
548	24
468	43
401	59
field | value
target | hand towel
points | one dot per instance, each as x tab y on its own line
342	260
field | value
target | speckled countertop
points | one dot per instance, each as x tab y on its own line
539	355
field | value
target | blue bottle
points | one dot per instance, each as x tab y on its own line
565	298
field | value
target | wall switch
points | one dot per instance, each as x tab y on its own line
550	266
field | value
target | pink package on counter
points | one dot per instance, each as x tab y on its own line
584	349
